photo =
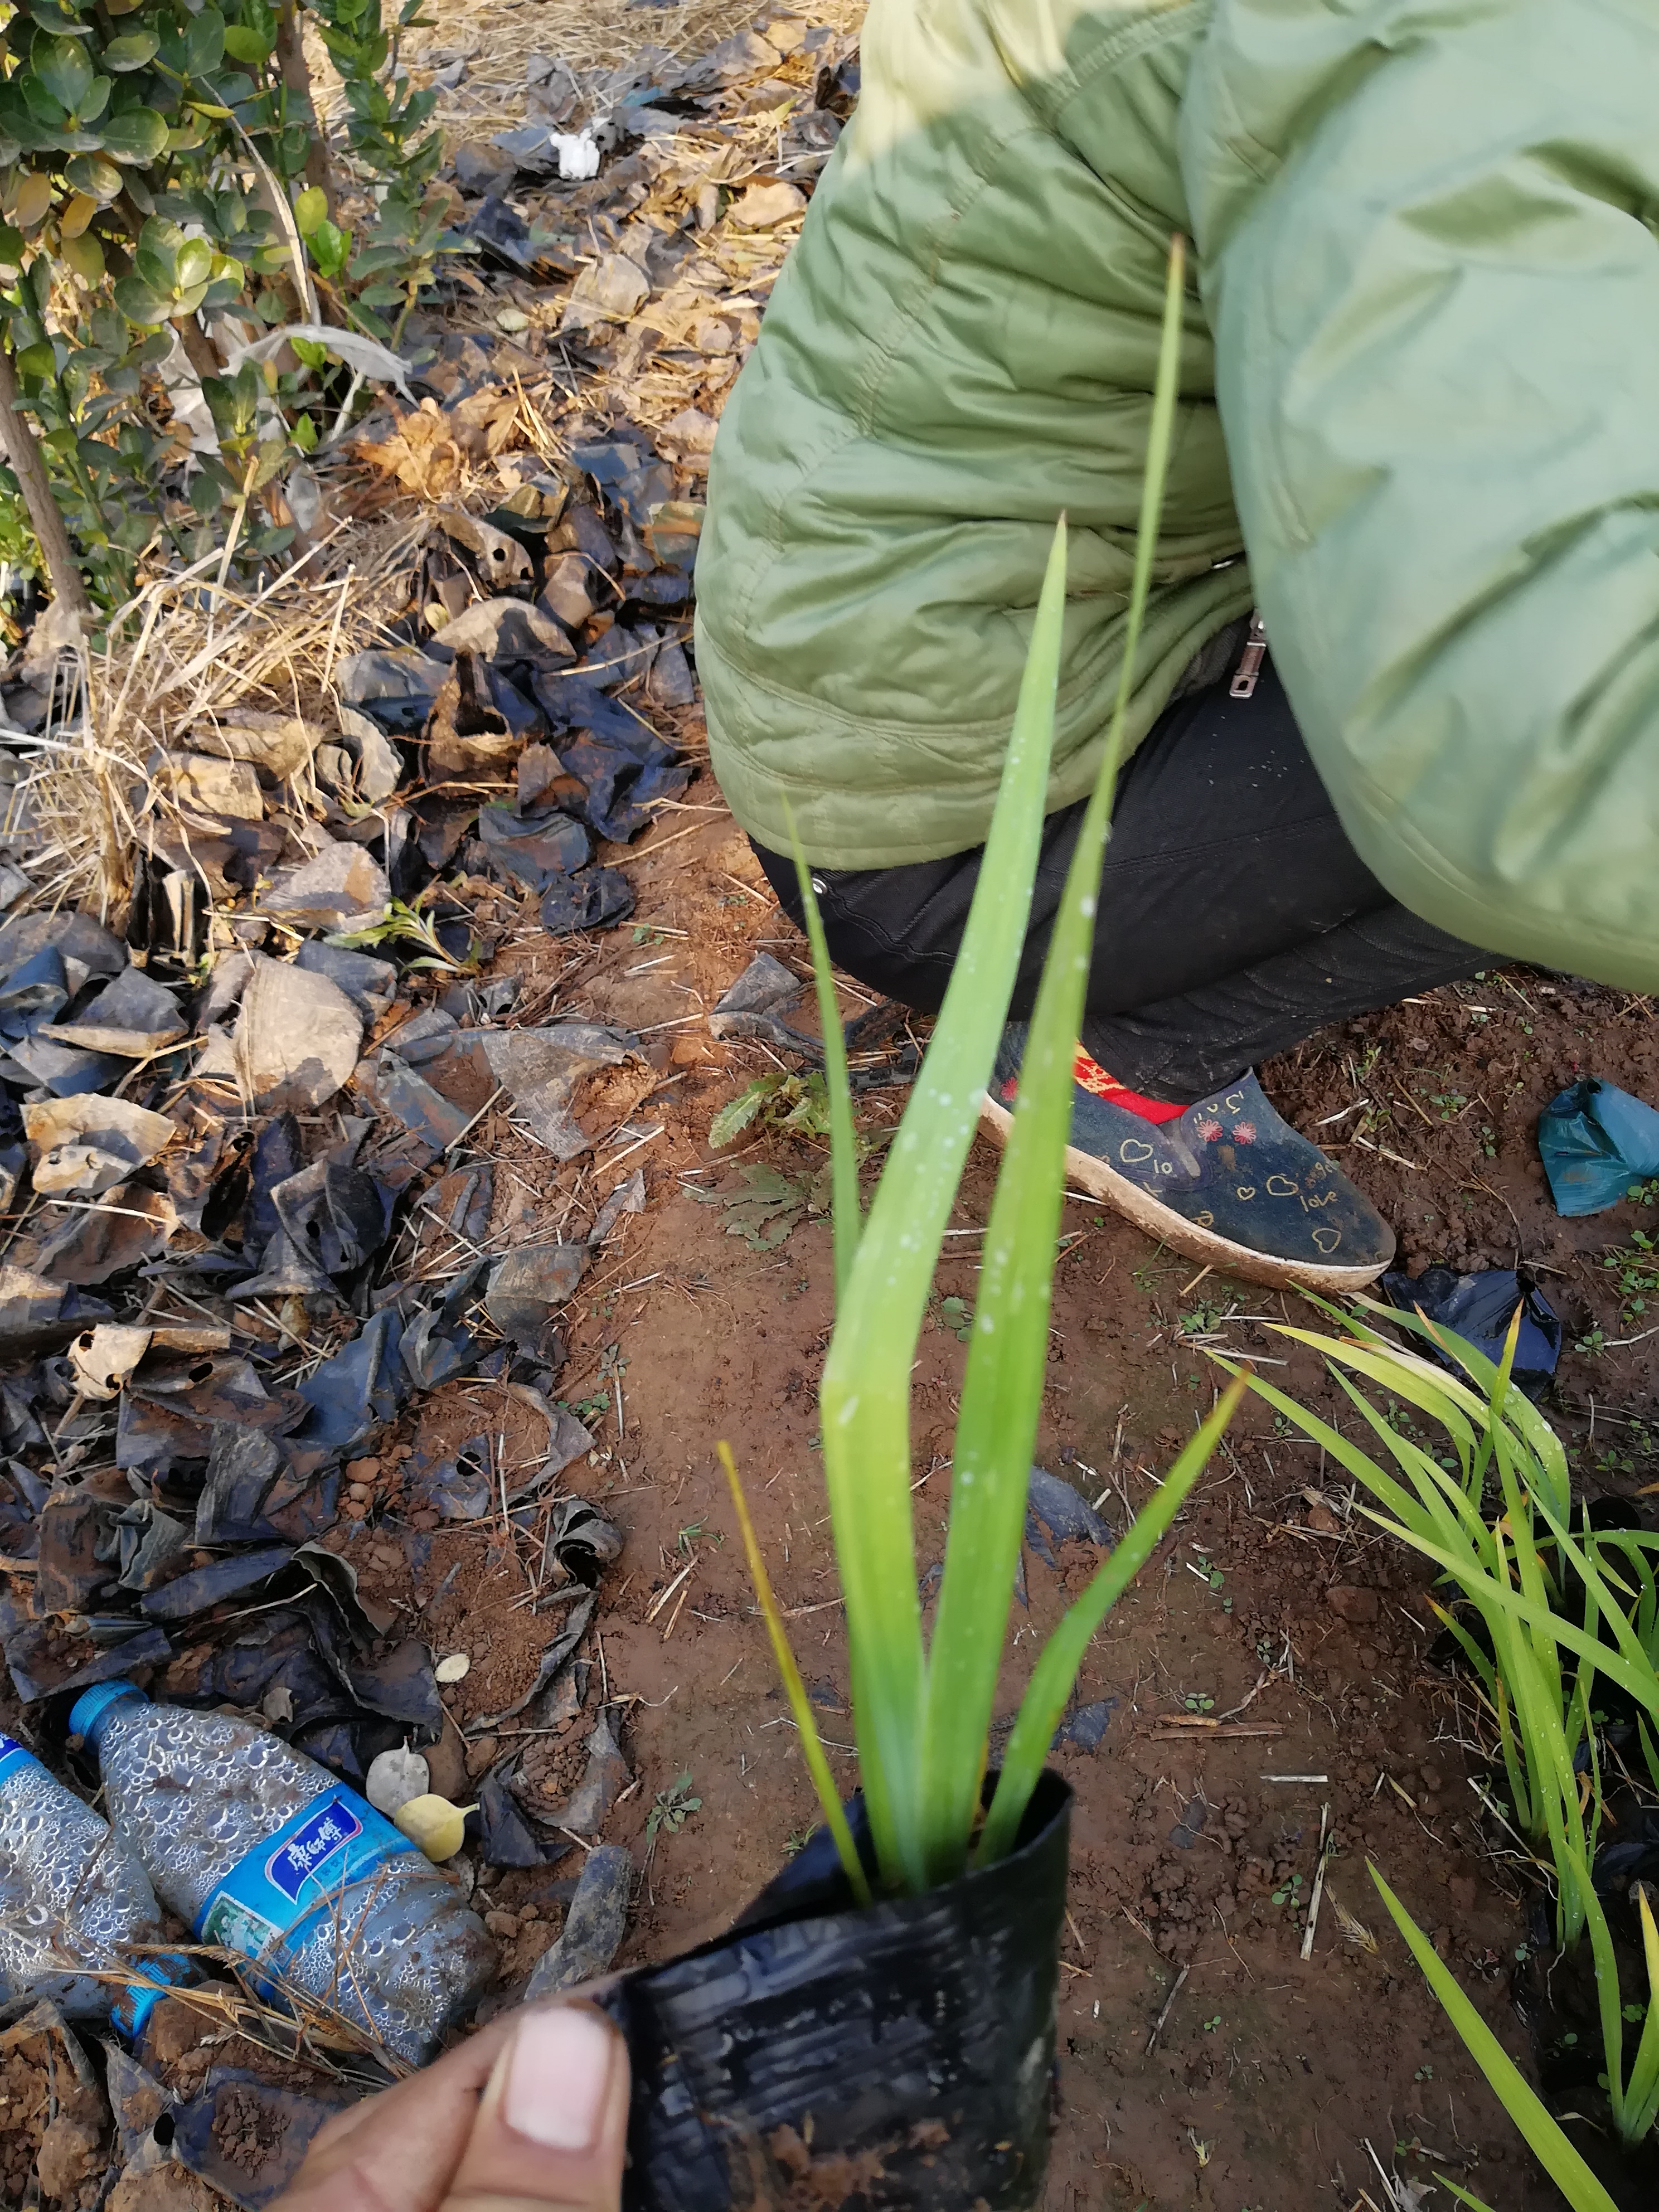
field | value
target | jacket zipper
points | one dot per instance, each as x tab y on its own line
1249	661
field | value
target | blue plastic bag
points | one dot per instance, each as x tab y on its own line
1479	1308
1596	1141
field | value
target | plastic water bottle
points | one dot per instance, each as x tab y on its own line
264	1852
72	1895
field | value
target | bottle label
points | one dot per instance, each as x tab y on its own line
13	1757
339	1842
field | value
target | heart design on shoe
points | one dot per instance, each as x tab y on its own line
1133	1152
1327	1239
1246	1190
1281	1187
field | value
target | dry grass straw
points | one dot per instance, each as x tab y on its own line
498	37
194	646
297	2026
187	651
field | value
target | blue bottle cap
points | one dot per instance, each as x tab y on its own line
14	1756
134	2004
89	1707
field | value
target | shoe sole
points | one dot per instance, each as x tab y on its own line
1084	1172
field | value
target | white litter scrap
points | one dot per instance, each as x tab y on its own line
579	156
183	387
364	355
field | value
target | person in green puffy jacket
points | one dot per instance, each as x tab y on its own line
1397	697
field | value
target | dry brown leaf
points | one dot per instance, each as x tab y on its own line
422	453
484	423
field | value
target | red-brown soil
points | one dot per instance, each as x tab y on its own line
1273	1603
1274	1606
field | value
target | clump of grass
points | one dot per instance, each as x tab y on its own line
407	922
1554	2152
1557	1613
922	1713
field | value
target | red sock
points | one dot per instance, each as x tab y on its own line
1088	1071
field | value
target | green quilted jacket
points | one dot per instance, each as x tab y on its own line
1418	387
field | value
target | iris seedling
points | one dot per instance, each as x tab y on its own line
1556	1612
922	1712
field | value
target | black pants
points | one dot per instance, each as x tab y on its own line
1235	917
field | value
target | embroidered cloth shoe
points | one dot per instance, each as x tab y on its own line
1227	1181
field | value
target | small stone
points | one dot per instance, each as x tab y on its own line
512	319
504	1924
1431	1777
359	1492
454	1668
764	206
361	1470
1357	1607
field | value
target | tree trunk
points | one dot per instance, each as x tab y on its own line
30	467
296	75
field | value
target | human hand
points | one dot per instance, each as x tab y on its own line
529	2115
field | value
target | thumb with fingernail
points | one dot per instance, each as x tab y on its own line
531	2112
552	2125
